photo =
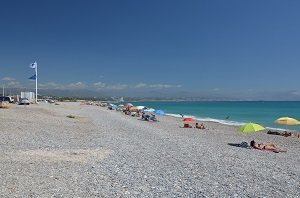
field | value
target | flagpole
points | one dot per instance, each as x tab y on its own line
36	77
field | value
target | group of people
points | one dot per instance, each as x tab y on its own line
148	117
143	115
261	146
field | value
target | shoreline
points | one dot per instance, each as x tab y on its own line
236	119
224	122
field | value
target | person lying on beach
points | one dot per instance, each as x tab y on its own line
145	117
152	118
266	146
285	133
201	126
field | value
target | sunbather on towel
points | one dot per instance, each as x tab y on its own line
285	133
266	146
201	126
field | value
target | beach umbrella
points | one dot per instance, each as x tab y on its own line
133	109
287	121
129	105
149	110
251	127
159	112
188	119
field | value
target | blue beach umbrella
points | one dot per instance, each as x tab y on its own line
159	112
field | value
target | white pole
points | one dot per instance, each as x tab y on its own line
36	76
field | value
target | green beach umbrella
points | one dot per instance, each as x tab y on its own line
251	127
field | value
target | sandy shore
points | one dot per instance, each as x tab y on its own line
102	153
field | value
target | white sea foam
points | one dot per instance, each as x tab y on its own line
226	122
277	129
174	115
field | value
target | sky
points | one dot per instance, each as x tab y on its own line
205	48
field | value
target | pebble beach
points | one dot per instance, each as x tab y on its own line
103	153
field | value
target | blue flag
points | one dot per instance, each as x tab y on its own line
32	77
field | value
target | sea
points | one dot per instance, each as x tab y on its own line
233	112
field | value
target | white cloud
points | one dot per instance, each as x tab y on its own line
53	85
164	86
10	82
99	85
77	85
117	86
49	84
13	84
297	93
8	79
140	85
160	86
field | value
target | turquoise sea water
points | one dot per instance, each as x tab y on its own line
233	113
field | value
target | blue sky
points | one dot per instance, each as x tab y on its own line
223	48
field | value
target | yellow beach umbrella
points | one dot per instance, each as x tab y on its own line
287	121
251	127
